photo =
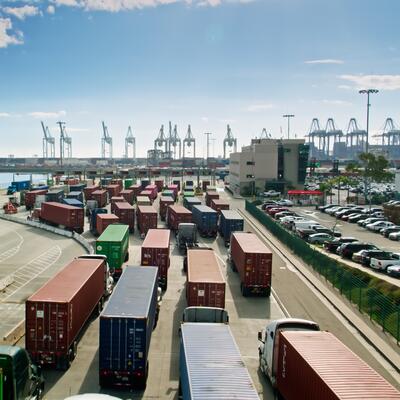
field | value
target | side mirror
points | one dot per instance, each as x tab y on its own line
260	336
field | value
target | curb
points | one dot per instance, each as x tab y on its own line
14	334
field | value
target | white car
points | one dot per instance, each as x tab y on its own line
394	236
377	226
290	220
271	193
285	202
382	263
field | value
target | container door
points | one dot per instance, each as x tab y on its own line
218	295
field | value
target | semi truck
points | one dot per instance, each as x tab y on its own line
304	363
186	237
230	221
206	220
123	353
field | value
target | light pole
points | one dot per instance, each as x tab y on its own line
368	92
288	116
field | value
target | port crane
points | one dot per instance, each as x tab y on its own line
49	143
161	140
188	142
173	141
65	143
106	143
130	143
229	141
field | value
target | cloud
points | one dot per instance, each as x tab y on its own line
43	114
384	82
260	107
51	9
344	87
5	38
324	61
4	115
337	102
21	12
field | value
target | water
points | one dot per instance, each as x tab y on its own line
7	178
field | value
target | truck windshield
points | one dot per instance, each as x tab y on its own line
6	378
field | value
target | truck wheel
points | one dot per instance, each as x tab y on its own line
74	349
233	266
267	292
243	289
40	391
127	256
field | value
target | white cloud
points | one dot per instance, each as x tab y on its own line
51	9
260	107
344	87
384	82
337	102
4	115
21	12
324	61
43	114
5	38
69	3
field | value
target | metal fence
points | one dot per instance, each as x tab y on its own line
357	286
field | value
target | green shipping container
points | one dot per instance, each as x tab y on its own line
188	194
114	243
128	183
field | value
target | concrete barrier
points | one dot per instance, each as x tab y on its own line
15	334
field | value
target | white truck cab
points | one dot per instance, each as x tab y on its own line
269	342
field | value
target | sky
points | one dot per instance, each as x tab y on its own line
207	63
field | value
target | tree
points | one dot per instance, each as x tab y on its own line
326	188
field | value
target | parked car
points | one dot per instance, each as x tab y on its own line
325	207
273	211
320	238
268	203
368	221
383	262
357	217
394	271
285	202
342	211
289	221
390	229
346	250
333	210
323	229
334	244
377	226
282	214
394	236
304	233
271	193
364	256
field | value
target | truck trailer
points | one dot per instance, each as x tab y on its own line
230	221
206	220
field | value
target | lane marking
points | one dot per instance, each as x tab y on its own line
14	250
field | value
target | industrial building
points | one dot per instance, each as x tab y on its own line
269	164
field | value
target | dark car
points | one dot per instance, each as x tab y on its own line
346	250
304	233
331	232
358	217
391	229
334	245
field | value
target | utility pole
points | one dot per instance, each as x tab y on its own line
368	92
288	116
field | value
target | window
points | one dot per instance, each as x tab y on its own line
250	163
250	176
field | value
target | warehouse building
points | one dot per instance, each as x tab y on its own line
269	164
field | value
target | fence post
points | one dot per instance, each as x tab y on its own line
359	299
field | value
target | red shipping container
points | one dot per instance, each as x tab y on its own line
103	220
317	365
88	190
101	197
160	184
136	189
204	185
154	191
146	219
165	201
72	181
30	198
219	204
147	193
126	214
118	182
128	195
253	260
176	215
62	214
155	252
210	196
177	182
116	199
175	188
205	285
113	190
56	313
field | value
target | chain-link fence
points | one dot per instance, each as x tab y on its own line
360	288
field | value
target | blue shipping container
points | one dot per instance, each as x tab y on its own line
189	202
55	195
93	216
77	188
206	220
126	325
210	364
21	185
75	195
73	202
230	221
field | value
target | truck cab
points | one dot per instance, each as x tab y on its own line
186	235
20	379
269	342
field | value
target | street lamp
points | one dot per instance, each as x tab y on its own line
288	116
368	92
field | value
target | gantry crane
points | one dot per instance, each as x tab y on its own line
106	141
65	143
173	141
355	139
188	141
49	143
332	131
229	141
316	133
265	134
130	143
161	140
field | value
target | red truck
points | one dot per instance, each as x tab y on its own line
219	204
304	363
57	312
155	252
128	195
70	217
205	285
88	191
176	215
146	219
165	201
211	196
253	260
103	220
126	214
30	198
101	196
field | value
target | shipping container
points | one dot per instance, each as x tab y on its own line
30	198
136	190
210	364
175	188
210	195
177	183
253	260
73	202
101	196
113	190
143	201
116	199
188	194
144	183
80	187
165	201
154	191
230	221
128	195
123	353
55	195
56	313
88	190
206	220
105	181
103	220
189	189
189	202
205	285
57	214
75	195
176	215
128	183
169	193
147	193
219	204
160	184
114	243
146	219
188	184
93	219
126	214
117	182
316	365
204	185
155	252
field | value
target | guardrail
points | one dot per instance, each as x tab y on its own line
358	287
